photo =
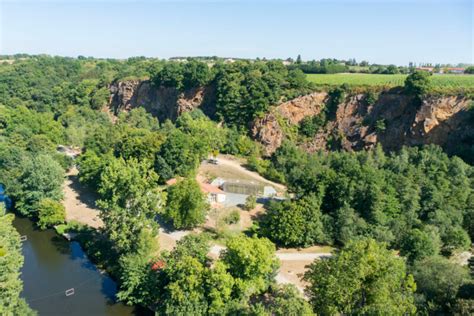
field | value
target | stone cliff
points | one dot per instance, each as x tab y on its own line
394	120
162	102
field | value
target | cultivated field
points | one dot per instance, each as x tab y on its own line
450	81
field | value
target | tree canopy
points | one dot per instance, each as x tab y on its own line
363	278
11	262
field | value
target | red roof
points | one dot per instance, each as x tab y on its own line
207	188
160	264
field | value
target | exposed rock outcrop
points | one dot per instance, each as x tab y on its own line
162	102
268	130
393	121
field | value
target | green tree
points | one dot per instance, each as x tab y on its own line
418	244
219	286
194	245
11	262
285	300
196	74
129	201
363	278
469	70
100	98
298	59
252	262
171	75
186	205
179	154
91	167
50	213
42	178
455	238
184	293
310	125
439	281
136	283
297	223
418	83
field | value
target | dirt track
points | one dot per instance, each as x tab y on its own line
80	202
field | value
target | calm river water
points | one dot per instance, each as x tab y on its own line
53	265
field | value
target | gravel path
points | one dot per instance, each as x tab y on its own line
301	256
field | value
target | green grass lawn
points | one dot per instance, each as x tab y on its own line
353	79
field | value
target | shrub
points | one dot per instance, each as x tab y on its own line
380	126
61	229
250	203
371	98
50	213
310	125
232	218
418	83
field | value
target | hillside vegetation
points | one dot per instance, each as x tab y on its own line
399	219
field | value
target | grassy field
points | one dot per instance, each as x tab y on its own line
439	81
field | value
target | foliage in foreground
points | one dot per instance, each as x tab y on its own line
184	282
364	278
11	262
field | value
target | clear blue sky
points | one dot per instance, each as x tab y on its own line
391	31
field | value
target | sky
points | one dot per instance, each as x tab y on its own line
379	31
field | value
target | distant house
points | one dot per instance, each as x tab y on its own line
213	193
429	69
455	70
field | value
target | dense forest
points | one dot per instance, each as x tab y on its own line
397	219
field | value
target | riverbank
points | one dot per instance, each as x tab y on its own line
79	201
53	265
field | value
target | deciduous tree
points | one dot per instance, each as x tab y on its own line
363	278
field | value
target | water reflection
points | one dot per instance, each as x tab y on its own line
53	265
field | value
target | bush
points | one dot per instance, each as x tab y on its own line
250	203
310	125
232	218
380	126
371	98
418	83
50	213
61	229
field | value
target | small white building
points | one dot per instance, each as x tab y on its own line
214	194
269	191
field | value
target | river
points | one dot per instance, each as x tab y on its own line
53	265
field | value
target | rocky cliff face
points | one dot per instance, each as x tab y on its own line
269	130
393	121
162	102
